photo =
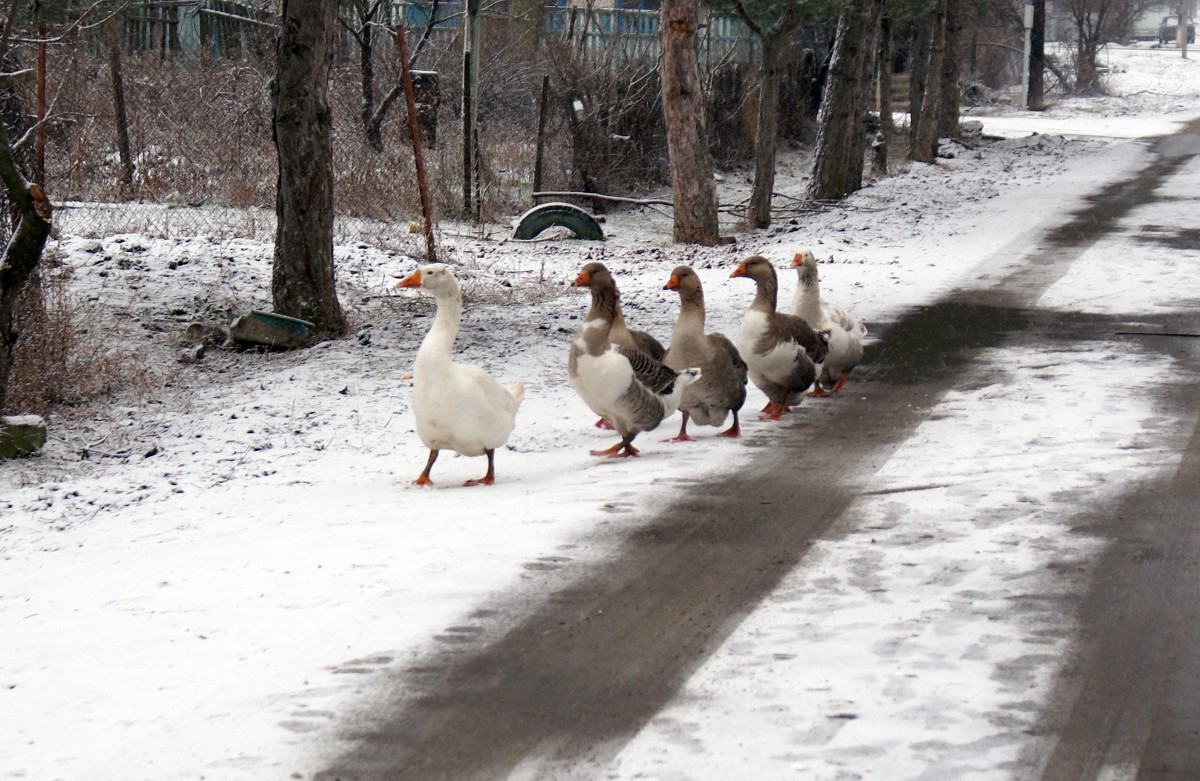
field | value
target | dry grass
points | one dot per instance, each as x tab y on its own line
60	360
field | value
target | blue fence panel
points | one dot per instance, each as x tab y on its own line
629	34
416	15
614	34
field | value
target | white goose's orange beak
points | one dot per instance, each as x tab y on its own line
672	283
740	271
583	280
798	260
412	280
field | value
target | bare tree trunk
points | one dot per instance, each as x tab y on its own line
918	69
695	191
23	253
759	213
950	103
866	76
121	119
924	141
366	63
374	119
882	146
302	281
838	169
774	41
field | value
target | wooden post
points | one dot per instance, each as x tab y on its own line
414	131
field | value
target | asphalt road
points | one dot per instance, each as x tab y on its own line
600	657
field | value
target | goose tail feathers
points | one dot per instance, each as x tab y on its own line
671	397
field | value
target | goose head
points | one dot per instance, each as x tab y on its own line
686	281
759	269
805	263
755	267
596	276
437	278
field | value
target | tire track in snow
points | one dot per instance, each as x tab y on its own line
604	654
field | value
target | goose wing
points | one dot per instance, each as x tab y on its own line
797	329
648	344
721	345
840	316
652	373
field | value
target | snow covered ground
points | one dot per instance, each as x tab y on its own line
199	576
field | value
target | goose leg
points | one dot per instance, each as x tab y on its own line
775	411
615	451
682	436
424	478
733	431
841	380
603	424
490	477
817	391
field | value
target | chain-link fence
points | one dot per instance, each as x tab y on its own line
158	116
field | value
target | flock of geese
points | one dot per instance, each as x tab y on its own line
626	376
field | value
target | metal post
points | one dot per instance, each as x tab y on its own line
418	156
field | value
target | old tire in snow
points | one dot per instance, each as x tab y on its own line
558	215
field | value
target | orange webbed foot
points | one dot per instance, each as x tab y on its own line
619	450
775	411
603	425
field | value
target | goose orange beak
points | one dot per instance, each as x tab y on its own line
672	283
740	271
798	260
412	280
583	280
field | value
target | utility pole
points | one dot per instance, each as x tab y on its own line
1181	29
470	101
1037	58
1027	61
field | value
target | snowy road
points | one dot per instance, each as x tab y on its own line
976	564
609	678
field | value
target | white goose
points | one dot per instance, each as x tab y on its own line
722	388
622	384
846	334
783	352
458	407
